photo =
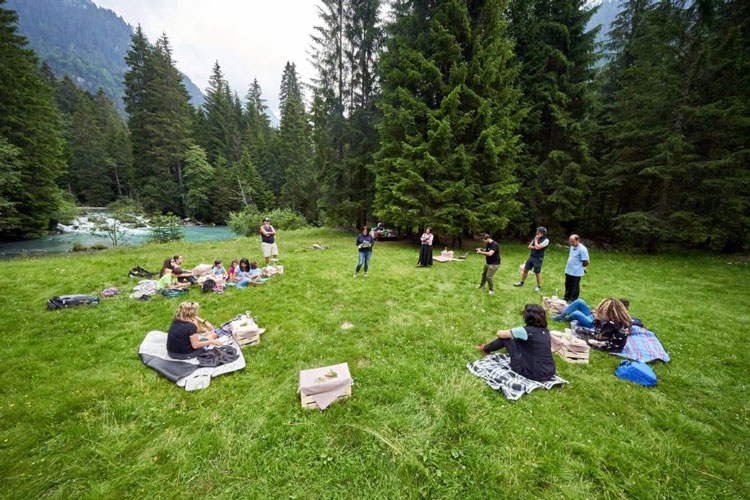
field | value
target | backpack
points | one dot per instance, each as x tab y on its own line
171	293
208	285
139	272
636	371
63	301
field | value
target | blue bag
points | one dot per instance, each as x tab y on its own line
636	371
171	293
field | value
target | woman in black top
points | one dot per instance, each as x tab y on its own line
183	341
425	250
528	346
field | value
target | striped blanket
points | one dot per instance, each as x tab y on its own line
495	370
643	345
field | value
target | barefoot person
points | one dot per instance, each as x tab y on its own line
183	339
577	266
268	241
492	255
528	346
425	250
365	242
537	246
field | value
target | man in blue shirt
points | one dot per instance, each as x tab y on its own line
578	261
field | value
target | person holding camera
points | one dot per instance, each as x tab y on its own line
537	246
577	266
492	256
365	242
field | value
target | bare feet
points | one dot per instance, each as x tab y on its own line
481	348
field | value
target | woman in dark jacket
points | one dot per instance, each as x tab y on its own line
365	242
528	346
425	250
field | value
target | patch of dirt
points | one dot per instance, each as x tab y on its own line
363	362
347	325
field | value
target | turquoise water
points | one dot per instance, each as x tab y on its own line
64	242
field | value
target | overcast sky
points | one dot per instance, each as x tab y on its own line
249	38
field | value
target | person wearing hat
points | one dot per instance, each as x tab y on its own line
492	255
537	246
268	241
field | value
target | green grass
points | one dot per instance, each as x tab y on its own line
81	416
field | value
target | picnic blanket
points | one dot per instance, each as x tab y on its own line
184	373
495	370
643	345
448	257
144	289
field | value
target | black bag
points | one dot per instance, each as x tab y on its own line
208	285
139	272
63	301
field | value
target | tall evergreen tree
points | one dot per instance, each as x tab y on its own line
199	176
220	132
556	55
299	191
30	123
160	123
447	138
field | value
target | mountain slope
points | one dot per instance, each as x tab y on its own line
78	38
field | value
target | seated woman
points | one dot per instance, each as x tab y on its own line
243	276
528	346
183	339
169	282
579	311
612	325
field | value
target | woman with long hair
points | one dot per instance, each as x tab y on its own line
183	340
612	325
528	346
425	249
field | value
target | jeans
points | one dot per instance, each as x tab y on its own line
487	273
364	258
580	311
572	287
244	283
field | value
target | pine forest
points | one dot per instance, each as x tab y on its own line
469	116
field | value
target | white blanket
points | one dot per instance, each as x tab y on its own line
155	346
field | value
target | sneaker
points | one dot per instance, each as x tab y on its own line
364	275
355	275
492	292
520	283
558	317
538	289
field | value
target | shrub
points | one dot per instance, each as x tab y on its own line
78	247
165	228
66	210
247	221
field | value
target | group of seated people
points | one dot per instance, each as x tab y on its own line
242	273
606	328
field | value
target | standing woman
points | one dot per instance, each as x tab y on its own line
365	241
425	251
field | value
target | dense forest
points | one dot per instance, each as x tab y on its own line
491	115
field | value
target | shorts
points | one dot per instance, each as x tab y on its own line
269	249
534	263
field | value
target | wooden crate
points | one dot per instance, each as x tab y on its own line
573	357
248	339
309	403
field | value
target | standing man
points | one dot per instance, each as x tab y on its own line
577	266
268	241
537	246
492	255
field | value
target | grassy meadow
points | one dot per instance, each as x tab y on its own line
81	416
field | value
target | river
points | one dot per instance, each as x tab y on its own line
57	243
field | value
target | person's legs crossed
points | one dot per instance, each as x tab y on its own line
583	319
577	305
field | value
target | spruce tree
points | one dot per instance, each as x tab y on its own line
447	137
30	123
199	177
556	55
